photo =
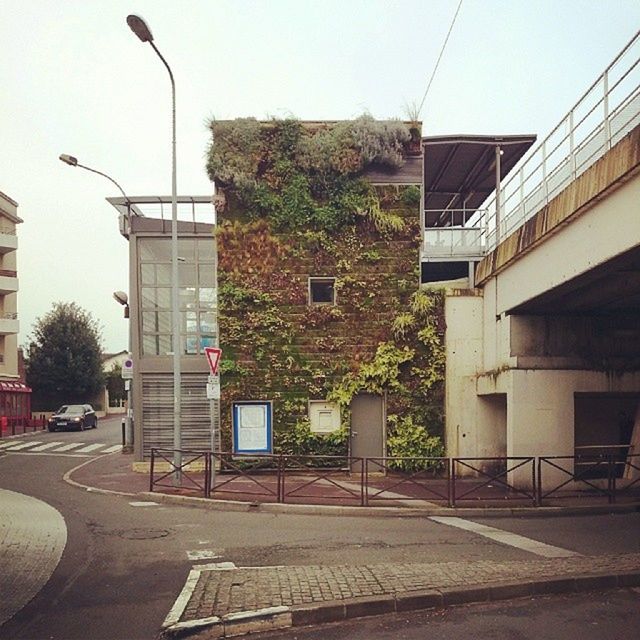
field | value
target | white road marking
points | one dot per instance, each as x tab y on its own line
115	447
506	537
91	447
8	443
23	445
71	445
216	566
203	554
42	447
144	504
181	602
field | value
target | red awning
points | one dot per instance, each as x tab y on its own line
16	387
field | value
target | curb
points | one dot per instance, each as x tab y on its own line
351	511
397	512
243	623
67	478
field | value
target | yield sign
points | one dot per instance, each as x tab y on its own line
213	358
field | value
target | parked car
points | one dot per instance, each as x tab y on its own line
74	416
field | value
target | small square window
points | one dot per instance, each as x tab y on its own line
322	290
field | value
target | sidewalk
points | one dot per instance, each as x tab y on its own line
222	600
114	473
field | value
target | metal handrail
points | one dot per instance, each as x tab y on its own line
231	468
540	164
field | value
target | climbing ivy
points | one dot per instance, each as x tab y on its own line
293	201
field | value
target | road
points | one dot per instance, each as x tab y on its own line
613	615
125	563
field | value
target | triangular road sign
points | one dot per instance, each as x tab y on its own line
213	358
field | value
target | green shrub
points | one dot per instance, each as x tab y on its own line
410	440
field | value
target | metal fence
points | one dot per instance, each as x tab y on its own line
395	481
16	425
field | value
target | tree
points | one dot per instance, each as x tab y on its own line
115	384
64	357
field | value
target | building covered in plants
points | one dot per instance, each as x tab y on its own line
329	344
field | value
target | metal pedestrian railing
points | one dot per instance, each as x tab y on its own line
398	481
16	425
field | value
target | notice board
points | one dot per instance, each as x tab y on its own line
252	431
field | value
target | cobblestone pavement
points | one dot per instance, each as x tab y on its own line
220	592
32	538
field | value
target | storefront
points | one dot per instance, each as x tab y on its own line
15	404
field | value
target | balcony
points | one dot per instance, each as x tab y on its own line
8	281
9	324
461	236
8	240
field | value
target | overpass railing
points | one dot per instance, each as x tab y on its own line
608	110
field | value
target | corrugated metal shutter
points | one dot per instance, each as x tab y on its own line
157	412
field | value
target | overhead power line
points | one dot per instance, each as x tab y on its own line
435	68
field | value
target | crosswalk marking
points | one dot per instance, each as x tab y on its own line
116	447
71	445
91	447
22	445
42	447
58	447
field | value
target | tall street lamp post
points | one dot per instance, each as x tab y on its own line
141	29
128	429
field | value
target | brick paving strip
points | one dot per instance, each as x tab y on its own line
228	601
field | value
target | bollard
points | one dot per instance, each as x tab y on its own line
123	428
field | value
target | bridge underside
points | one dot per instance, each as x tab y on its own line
543	357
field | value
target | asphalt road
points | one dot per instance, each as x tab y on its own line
125	564
612	615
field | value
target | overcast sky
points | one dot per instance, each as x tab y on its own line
74	79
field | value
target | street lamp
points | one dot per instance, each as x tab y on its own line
141	29
73	162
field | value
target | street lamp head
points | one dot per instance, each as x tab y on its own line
70	160
140	28
121	297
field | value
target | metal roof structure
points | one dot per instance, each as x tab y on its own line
460	170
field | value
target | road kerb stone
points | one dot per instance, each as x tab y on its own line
463	595
369	606
302	615
430	599
629	579
213	627
554	585
509	590
245	622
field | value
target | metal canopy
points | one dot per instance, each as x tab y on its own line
460	171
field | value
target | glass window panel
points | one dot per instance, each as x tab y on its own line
206	250
154	249
154	322
206	275
163	274
191	321
207	322
207	296
156	345
187	274
191	344
207	341
187	249
148	273
187	297
155	298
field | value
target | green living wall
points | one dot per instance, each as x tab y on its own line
293	202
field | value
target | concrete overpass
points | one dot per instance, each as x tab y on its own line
543	282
